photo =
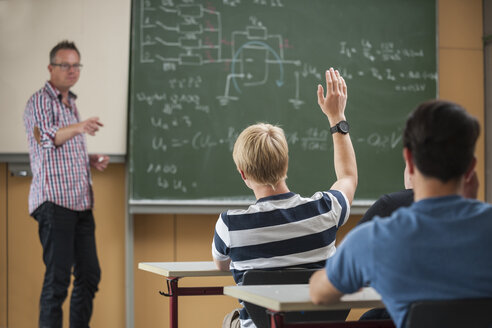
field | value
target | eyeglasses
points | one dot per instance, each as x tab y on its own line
66	67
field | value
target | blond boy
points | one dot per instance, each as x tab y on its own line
283	229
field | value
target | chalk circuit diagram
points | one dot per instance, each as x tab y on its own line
196	38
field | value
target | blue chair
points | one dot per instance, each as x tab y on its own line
458	313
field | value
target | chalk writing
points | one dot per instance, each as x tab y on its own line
174	184
384	141
162	168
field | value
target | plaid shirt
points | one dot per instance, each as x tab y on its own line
61	174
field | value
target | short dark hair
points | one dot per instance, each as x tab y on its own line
441	136
65	44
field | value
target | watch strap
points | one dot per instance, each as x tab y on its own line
342	127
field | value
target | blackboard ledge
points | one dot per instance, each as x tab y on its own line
209	207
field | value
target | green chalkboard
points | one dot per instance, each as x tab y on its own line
201	71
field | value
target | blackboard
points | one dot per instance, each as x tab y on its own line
201	71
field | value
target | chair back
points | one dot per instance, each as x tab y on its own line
282	277
458	313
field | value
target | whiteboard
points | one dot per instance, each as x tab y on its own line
29	29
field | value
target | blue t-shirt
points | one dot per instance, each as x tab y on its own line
438	248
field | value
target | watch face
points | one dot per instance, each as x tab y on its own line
343	126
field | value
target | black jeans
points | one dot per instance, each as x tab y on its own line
68	242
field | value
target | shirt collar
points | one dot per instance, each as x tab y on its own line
276	197
55	93
433	202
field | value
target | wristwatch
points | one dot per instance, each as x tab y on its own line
342	127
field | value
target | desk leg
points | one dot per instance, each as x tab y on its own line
276	319
173	303
172	293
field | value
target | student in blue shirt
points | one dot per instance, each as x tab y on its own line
439	247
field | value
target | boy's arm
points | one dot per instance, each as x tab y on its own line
219	247
222	265
333	106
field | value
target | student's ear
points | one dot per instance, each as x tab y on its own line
471	169
242	174
407	155
470	184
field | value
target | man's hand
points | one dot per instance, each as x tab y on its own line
89	126
333	105
99	162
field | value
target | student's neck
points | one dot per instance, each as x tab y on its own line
262	191
430	187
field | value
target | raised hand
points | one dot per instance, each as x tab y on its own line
333	104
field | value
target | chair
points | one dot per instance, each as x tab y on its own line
457	313
280	277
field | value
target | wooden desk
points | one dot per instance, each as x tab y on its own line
284	298
173	271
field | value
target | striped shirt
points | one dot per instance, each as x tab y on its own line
61	174
280	231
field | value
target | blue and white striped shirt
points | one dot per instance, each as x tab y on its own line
280	231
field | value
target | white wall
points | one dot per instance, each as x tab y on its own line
101	31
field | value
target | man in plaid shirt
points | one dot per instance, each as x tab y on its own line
61	198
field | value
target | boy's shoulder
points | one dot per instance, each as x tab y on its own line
284	203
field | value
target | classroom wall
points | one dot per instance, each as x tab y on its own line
461	68
174	237
21	266
3	245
